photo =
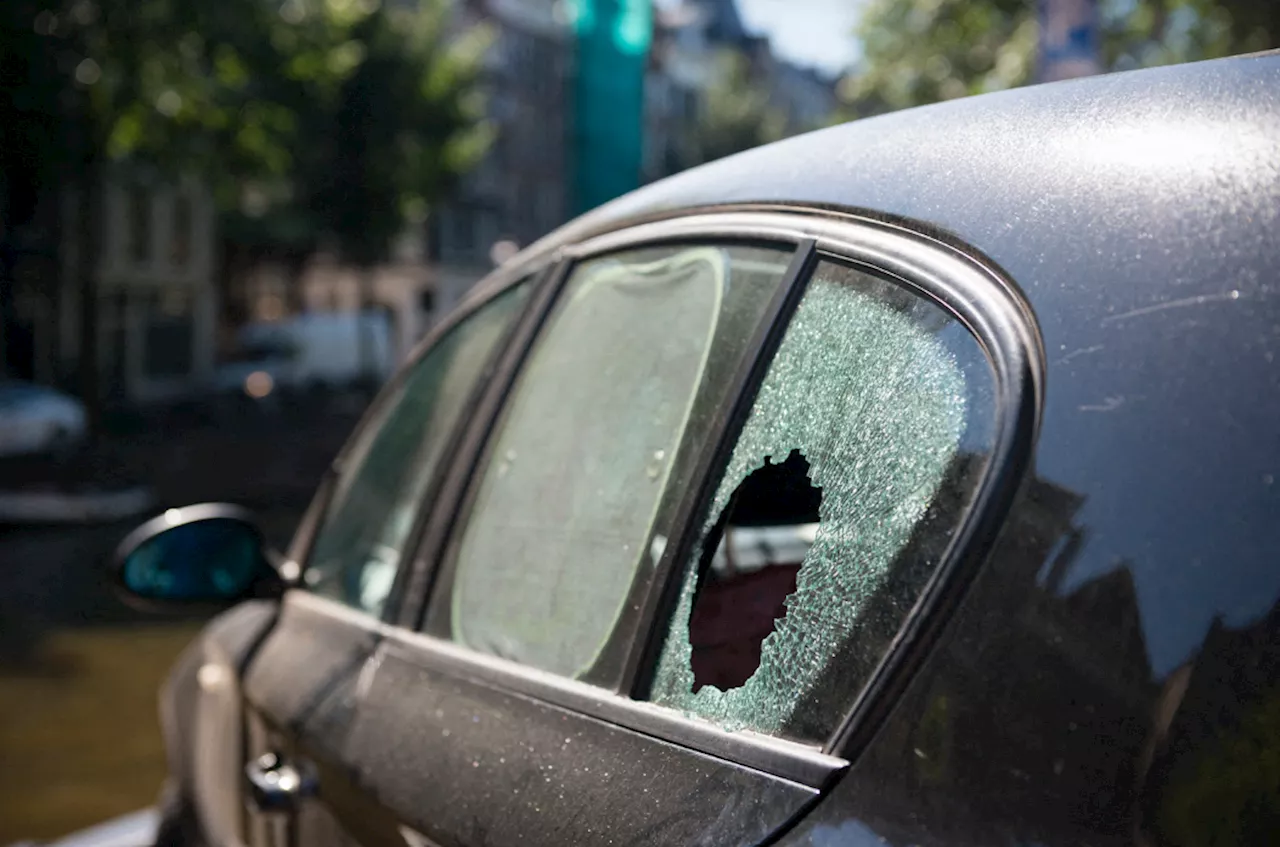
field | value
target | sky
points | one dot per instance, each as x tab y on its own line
815	33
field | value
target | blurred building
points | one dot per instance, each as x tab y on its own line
689	43
806	98
29	295
154	280
519	190
525	185
157	300
677	71
272	289
515	194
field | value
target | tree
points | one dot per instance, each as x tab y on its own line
184	86
401	128
280	109
923	51
735	112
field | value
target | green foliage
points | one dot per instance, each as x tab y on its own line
403	124
923	51
310	117
736	114
30	84
929	50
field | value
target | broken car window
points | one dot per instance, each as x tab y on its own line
848	478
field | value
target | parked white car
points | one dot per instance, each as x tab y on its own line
326	348
36	419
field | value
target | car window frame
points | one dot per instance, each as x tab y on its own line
302	545
951	275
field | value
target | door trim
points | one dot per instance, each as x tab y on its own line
799	763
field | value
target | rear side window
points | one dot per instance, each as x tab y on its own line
609	414
360	541
865	443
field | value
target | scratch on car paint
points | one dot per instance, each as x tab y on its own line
1173	304
1083	351
365	680
877	448
413	838
1109	404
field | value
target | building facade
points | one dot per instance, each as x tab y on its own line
518	192
157	299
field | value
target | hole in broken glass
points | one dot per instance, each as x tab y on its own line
749	567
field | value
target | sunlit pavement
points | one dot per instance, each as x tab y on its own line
79	736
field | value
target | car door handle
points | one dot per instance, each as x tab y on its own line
276	784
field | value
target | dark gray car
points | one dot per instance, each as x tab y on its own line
909	482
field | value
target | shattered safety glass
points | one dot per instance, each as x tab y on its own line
864	445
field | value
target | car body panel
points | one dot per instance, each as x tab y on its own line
202	719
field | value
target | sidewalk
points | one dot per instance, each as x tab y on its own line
81	737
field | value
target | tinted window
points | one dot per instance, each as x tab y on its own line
866	440
612	407
358	546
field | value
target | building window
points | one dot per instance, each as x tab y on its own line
462	239
180	240
139	217
169	327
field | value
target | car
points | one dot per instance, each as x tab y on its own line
37	419
256	370
983	397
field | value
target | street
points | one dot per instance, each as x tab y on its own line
78	667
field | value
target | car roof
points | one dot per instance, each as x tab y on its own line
1052	181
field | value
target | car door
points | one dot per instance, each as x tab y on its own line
353	538
722	463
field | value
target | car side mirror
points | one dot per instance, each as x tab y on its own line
208	554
